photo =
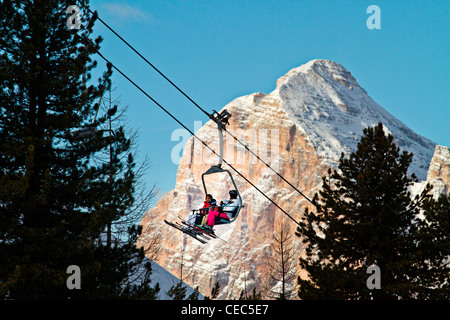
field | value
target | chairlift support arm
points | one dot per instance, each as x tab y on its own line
221	119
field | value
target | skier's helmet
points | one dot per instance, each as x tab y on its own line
233	193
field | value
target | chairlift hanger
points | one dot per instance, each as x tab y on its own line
221	119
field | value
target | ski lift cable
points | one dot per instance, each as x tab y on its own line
268	166
148	62
192	133
199	107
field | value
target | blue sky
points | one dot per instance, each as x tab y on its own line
217	51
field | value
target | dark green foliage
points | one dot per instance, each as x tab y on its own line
177	291
57	193
253	296
194	295
433	250
214	292
365	216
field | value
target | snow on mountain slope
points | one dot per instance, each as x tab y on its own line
325	101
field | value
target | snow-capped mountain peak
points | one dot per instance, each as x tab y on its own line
325	101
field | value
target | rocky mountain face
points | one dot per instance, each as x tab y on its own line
316	112
438	173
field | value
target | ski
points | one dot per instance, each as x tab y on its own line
187	231
200	229
193	230
184	221
184	229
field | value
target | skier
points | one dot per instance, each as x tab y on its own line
231	206
211	219
207	204
225	211
198	217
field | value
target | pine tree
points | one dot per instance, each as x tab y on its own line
433	249
56	201
365	216
253	296
194	295
177	291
